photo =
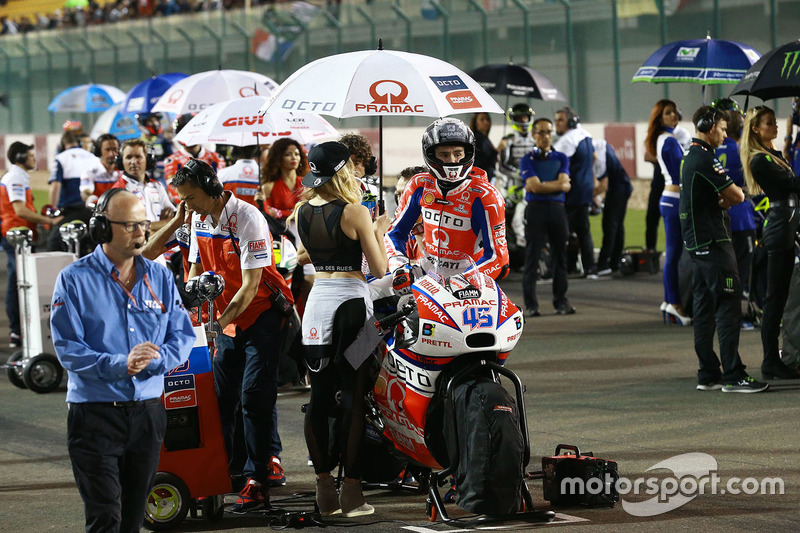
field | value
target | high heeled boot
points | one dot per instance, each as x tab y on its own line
352	499
327	497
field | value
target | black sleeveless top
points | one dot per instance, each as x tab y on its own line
321	233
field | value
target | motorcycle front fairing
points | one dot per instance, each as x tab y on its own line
456	315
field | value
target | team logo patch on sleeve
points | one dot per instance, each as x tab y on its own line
257	246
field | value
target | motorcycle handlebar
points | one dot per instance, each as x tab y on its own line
392	320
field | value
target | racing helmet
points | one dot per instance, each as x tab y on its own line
448	132
514	115
181	121
150	123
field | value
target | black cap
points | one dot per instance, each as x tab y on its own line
325	160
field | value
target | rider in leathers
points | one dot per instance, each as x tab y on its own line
462	212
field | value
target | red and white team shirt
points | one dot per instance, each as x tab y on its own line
97	179
242	179
151	193
15	187
239	241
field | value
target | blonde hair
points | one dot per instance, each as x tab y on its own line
751	145
343	186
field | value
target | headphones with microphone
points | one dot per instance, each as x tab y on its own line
22	157
541	155
706	121
204	176
99	226
149	160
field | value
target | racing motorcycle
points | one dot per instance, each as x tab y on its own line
438	399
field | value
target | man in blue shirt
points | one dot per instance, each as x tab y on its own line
576	143
118	326
545	174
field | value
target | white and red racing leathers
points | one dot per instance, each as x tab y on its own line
470	219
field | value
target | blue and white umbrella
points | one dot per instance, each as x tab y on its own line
112	121
705	61
89	98
144	95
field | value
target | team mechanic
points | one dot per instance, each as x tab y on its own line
116	355
706	194
231	237
461	211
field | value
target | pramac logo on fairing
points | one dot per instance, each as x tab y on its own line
389	96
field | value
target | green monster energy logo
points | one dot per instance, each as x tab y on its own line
789	62
728	284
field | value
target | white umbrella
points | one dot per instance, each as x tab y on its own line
199	91
235	122
381	83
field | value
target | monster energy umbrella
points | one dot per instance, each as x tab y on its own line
775	75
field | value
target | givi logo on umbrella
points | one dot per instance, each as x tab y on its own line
389	96
242	121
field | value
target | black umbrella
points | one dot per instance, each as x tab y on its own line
516	80
775	75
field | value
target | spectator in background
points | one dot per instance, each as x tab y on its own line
485	152
663	143
243	177
615	183
102	175
364	161
85	140
545	173
766	170
576	143
17	209
156	144
281	178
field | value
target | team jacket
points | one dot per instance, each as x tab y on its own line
240	240
471	219
242	179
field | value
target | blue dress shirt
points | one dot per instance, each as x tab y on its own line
95	323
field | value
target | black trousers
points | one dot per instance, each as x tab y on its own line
114	453
578	217
653	210
779	276
614	209
743	245
717	292
545	222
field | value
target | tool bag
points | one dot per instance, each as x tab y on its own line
591	481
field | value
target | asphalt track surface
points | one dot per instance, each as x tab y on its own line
612	379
